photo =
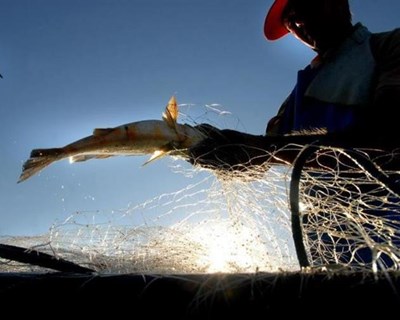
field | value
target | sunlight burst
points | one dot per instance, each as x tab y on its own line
226	249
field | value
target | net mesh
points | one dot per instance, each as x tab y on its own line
344	212
349	209
213	225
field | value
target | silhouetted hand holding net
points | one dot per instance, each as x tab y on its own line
230	150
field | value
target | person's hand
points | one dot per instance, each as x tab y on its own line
213	151
227	150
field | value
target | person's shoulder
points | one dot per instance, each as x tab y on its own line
386	42
385	36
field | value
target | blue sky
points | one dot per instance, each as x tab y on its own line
70	66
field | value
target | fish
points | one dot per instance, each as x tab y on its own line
156	137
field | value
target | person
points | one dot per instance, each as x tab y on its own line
346	96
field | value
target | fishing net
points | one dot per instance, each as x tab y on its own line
344	214
213	225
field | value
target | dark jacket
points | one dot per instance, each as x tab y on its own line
350	87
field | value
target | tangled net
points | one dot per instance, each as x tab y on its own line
340	213
210	226
345	213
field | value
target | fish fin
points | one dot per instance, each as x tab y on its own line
156	155
84	157
39	159
102	131
171	112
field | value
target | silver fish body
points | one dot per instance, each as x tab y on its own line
137	138
156	137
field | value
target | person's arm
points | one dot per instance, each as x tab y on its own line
229	150
232	150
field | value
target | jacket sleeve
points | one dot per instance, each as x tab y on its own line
386	96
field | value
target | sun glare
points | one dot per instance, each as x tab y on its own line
225	248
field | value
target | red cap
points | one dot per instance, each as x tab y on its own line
273	26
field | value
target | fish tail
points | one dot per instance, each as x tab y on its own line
40	158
